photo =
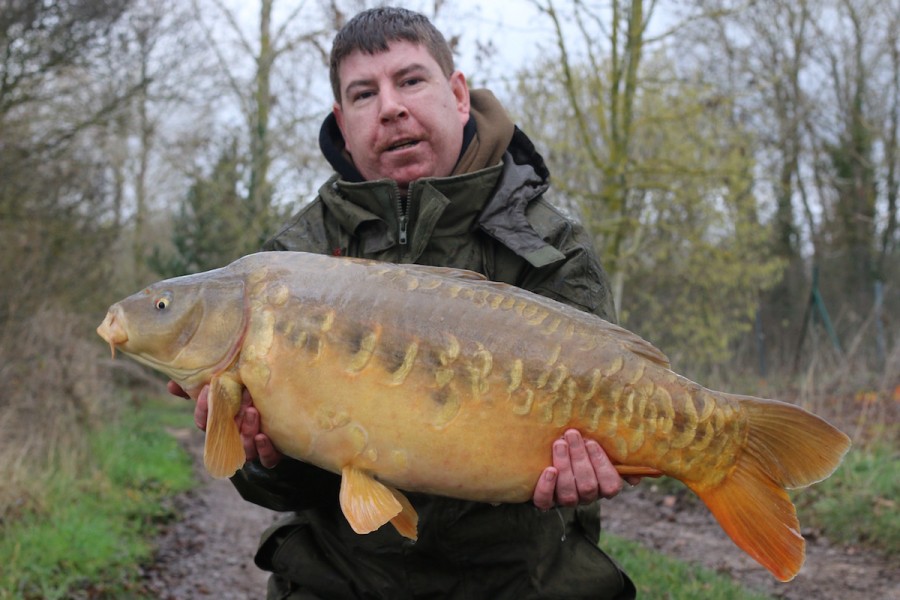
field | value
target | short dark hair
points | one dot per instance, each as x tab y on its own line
372	31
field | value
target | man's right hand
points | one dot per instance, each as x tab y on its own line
257	444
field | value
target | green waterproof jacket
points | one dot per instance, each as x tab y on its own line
497	221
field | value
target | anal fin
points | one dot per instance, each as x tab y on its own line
367	503
631	471
407	522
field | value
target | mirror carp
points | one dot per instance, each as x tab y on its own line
428	379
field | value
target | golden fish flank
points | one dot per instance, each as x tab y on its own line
435	380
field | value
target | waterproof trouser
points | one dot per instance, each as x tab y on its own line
464	551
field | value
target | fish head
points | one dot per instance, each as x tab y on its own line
188	328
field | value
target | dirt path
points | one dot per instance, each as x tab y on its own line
208	552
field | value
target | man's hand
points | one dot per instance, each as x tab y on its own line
257	445
580	474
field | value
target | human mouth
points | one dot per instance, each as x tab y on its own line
402	145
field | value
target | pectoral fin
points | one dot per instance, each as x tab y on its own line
223	453
368	504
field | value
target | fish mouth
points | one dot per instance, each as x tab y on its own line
112	331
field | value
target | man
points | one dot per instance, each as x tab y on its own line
428	173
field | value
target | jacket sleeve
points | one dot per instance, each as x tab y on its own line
291	485
306	231
577	280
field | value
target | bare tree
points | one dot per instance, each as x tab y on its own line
281	53
52	181
606	126
661	166
855	56
815	84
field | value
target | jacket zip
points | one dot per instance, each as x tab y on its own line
402	214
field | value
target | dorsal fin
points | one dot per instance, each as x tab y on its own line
445	272
637	344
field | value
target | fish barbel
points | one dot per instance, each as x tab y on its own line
436	380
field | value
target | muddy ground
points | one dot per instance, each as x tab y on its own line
208	552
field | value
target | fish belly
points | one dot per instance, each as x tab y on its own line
403	435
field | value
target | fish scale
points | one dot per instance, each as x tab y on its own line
404	377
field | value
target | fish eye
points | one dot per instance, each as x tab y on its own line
162	302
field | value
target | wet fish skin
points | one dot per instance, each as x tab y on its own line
435	380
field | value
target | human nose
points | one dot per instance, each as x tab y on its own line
392	106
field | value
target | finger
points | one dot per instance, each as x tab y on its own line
545	490
201	409
566	493
250	422
249	428
586	483
633	479
608	478
269	456
246	404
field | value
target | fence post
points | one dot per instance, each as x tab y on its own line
760	342
816	311
880	344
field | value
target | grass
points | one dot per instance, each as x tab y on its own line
661	577
859	503
91	530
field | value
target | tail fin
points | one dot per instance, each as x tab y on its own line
786	447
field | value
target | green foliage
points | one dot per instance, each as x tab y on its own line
660	577
858	504
94	527
214	224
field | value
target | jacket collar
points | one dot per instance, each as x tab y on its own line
372	210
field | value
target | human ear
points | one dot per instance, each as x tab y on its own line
460	90
339	117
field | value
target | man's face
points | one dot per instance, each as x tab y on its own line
401	117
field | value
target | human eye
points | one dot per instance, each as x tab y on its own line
412	81
359	91
362	95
